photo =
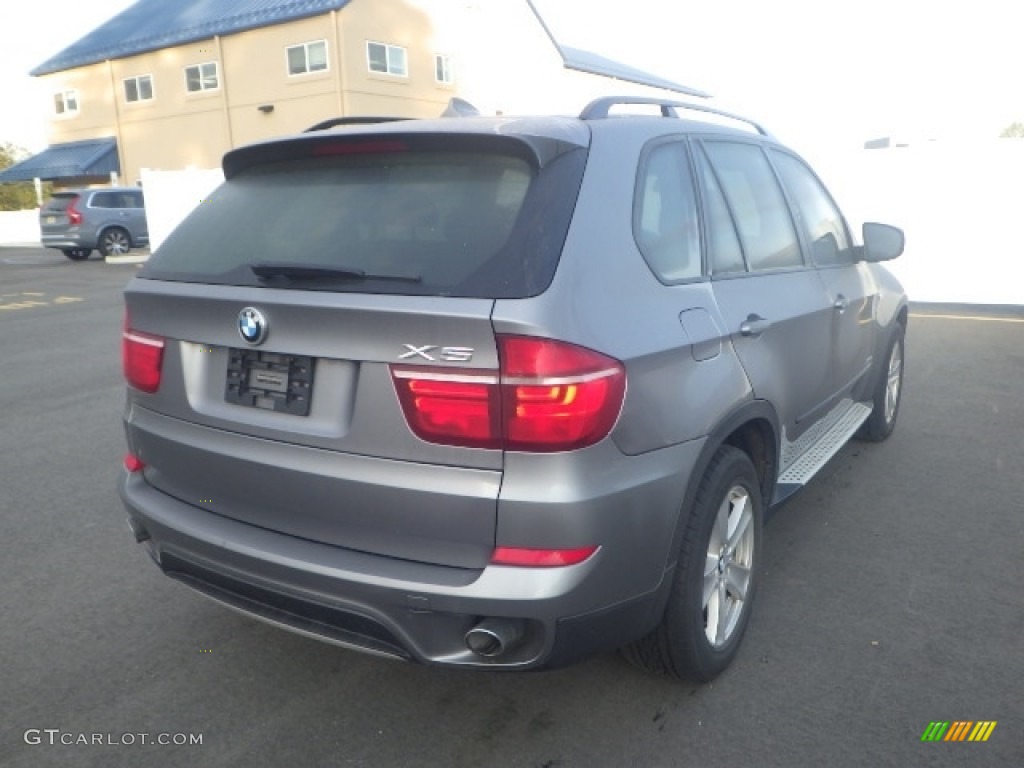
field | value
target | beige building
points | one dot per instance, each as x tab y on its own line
186	81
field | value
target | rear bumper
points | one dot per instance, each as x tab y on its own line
411	610
69	240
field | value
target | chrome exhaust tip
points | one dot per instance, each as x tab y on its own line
140	533
493	637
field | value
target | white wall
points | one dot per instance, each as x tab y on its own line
961	206
19	227
171	196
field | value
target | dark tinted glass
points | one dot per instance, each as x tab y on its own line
456	223
59	202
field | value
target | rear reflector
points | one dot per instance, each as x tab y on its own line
546	396
133	463
540	558
142	357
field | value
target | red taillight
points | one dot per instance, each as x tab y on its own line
133	463
540	558
450	408
556	396
142	358
548	396
74	215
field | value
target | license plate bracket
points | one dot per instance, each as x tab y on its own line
271	381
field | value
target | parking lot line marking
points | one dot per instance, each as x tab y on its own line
23	304
30	303
30	293
970	317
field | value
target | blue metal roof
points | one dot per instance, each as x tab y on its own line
91	157
151	25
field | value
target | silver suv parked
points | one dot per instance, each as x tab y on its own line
502	392
77	221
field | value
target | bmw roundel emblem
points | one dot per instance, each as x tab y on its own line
252	325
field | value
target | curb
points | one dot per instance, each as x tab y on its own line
128	258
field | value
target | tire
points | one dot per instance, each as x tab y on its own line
114	242
888	392
695	640
77	254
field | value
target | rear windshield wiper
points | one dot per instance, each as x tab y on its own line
294	271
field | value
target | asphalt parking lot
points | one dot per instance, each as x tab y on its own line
891	597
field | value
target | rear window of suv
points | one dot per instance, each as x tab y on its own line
473	223
59	202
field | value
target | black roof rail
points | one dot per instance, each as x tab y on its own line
323	125
600	108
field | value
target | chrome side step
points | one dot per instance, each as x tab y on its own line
803	458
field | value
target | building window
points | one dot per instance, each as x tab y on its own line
138	88
389	59
65	102
308	57
202	77
443	71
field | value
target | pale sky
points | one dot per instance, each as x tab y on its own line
817	74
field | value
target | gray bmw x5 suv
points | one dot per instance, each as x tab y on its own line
502	392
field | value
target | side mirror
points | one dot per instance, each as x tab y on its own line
882	242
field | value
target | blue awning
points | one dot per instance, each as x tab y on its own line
91	157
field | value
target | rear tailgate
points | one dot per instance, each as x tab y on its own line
368	257
349	472
53	217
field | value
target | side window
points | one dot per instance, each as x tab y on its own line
753	194
102	200
821	221
665	214
724	250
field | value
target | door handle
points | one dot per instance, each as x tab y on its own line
841	303
754	325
